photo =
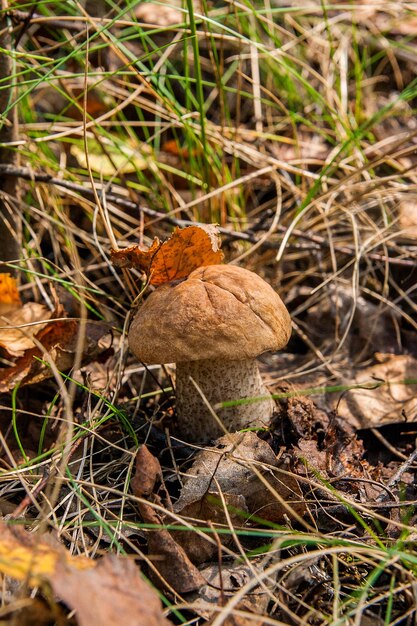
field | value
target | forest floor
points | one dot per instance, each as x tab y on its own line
291	127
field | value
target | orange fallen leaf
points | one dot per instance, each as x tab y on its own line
9	295
186	250
172	147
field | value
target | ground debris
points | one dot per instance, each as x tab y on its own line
371	327
113	592
101	592
222	584
171	561
298	416
375	404
241	473
344	451
292	132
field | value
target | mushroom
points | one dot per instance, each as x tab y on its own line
213	325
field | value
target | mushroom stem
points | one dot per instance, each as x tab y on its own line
219	381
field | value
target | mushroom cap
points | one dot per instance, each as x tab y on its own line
217	312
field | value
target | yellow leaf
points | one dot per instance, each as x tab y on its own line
115	159
33	561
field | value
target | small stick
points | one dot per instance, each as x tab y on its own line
31	496
404	467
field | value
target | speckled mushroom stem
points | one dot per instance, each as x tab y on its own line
219	381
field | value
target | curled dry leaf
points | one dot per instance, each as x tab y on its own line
105	592
171	561
20	326
188	249
59	344
232	468
223	583
395	401
32	336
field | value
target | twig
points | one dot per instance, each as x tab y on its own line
25	18
30	496
404	467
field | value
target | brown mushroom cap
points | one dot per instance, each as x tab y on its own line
218	312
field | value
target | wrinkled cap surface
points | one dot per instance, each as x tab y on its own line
219	311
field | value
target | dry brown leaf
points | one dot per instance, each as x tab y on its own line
209	507
174	566
159	14
148	473
59	340
223	583
18	327
387	404
112	593
407	216
104	592
227	468
186	250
